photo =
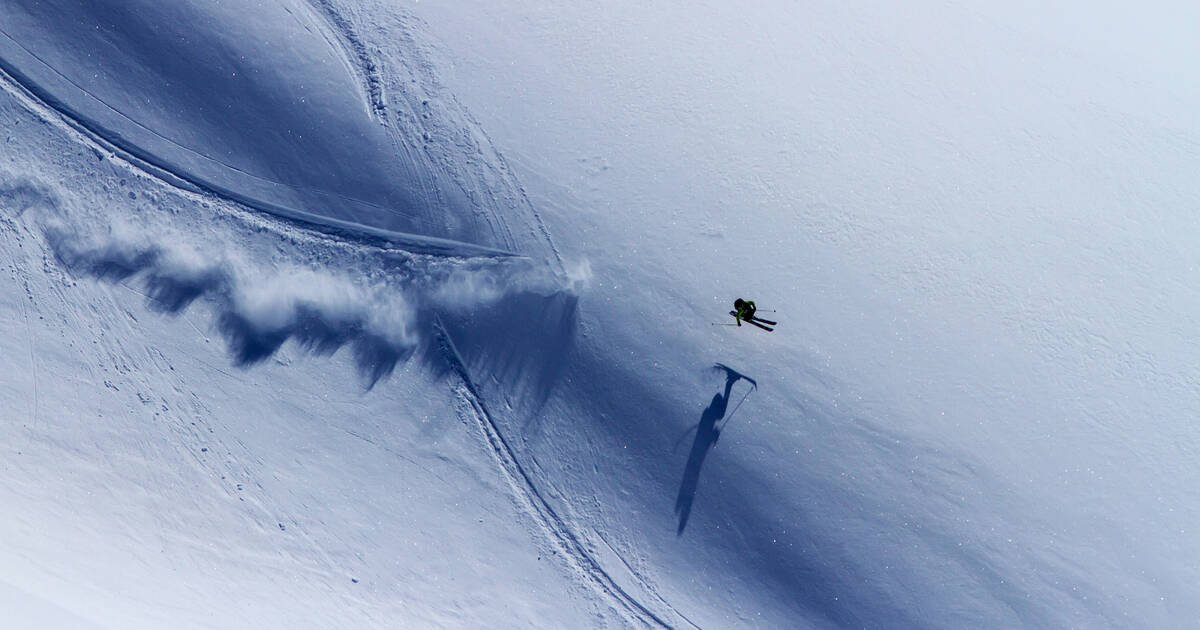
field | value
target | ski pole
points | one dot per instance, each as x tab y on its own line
723	324
729	417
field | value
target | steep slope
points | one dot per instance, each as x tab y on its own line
973	224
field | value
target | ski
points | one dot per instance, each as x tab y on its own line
766	328
755	321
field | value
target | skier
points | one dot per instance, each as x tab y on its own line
744	310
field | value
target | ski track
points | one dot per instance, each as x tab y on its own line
373	78
642	581
376	80
99	138
472	407
319	227
541	225
428	139
360	62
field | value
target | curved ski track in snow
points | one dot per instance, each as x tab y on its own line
360	63
471	406
43	101
408	110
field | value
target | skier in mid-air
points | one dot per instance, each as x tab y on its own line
744	310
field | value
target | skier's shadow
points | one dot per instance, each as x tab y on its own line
707	433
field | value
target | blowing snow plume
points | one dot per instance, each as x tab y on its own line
378	315
256	310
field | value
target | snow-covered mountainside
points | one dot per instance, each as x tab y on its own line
370	314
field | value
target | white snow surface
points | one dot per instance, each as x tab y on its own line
378	314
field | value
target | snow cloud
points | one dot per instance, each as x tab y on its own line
257	309
260	302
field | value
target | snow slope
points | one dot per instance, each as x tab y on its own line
161	472
976	225
272	361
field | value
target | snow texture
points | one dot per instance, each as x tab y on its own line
367	314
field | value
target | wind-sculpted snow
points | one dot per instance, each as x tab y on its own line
267	107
